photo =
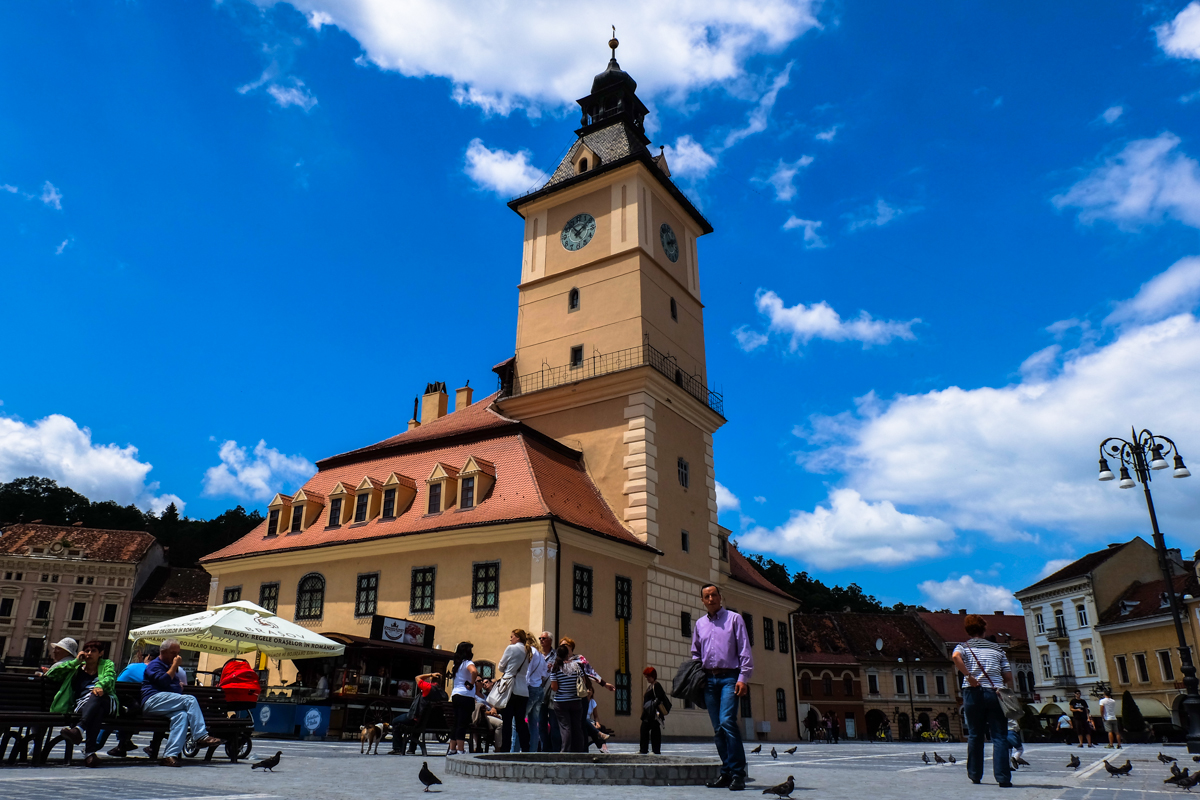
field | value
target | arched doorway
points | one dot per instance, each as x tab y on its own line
943	723
923	720
904	728
875	719
812	723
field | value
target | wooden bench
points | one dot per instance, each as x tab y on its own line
26	720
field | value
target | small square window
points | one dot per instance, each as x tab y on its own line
110	612
749	620
577	356
682	466
421	597
54	578
873	684
685	624
783	636
485	586
78	612
940	681
468	493
723	548
435	498
335	512
366	595
624	608
6	606
268	596
389	503
90	580
232	594
684	542
78	580
768	634
42	611
583	590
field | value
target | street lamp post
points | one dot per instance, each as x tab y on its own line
1133	453
912	709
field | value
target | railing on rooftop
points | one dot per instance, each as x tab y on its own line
643	356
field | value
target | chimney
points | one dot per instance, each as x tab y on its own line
415	422
999	613
962	611
1175	556
462	397
433	404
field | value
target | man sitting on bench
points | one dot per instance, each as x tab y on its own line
163	697
134	673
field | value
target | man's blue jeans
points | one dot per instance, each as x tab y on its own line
184	711
723	711
533	711
984	713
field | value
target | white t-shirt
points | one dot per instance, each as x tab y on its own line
1108	708
1064	722
462	677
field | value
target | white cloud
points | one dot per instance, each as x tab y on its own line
827	135
812	239
1181	36
56	447
1112	114
507	174
58	251
293	94
875	216
1170	292
965	592
51	196
1052	566
851	532
726	500
254	477
687	158
8	187
782	179
750	339
757	121
316	19
1148	180
503	56
802	323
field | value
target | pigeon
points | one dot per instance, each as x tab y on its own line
1021	761
938	758
428	778
1177	776
951	759
1188	781
773	753
1012	762
757	749
1117	772
268	764
1175	770
1196	758
1164	759
782	790
1074	762
925	758
791	751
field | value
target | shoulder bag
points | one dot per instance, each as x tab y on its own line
1009	703
501	693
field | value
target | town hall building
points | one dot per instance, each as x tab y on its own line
580	497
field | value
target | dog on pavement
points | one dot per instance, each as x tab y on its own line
369	735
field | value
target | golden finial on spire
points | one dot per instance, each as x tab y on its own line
613	43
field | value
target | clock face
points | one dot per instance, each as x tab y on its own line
578	232
669	242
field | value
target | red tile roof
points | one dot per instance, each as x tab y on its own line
856	634
1143	600
950	626
536	478
98	544
741	570
1081	566
175	586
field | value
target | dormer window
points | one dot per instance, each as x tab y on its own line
435	498
468	493
399	491
572	300
585	159
297	519
341	504
583	165
443	488
335	511
475	480
360	507
272	521
367	499
389	503
306	508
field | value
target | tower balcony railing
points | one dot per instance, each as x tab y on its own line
607	363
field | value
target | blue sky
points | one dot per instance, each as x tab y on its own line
952	252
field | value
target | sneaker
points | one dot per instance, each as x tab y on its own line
1091	745
1108	747
1118	747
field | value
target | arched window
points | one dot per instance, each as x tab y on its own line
674	310
781	705
827	684
310	596
583	165
806	685
486	669
573	300
1081	613
848	685
1021	682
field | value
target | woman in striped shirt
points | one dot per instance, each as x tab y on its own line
985	671
569	708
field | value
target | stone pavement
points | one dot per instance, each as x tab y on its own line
852	771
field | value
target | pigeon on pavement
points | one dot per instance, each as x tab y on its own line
1164	759
925	758
791	750
1188	781
782	790
1177	776
1074	762
1175	770
1117	772
757	749
938	758
951	759
268	764
773	753
427	777
1021	761
1196	758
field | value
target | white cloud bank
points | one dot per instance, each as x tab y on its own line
504	56
1149	180
687	158
56	447
802	323
782	178
726	500
966	592
256	476
507	174
1181	36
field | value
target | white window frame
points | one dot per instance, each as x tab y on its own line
1081	615
1047	670
1165	663
1039	622
1121	662
1089	661
1141	667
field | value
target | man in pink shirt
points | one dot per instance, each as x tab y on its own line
721	645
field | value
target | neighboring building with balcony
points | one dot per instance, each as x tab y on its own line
1139	639
1062	610
58	581
1006	630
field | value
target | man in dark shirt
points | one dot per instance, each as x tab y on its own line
162	696
1081	718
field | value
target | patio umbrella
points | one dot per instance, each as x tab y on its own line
242	627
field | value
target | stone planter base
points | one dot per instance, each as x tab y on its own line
613	769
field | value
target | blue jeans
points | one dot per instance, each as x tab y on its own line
183	711
533	710
1015	742
723	711
984	713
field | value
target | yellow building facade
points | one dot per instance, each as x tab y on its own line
581	497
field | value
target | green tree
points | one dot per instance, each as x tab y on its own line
815	596
27	499
1131	716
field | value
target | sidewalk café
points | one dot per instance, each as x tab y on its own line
371	681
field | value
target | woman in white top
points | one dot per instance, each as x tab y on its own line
985	671
512	667
463	696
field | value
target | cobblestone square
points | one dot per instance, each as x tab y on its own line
855	771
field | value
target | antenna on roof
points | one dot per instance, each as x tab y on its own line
416	406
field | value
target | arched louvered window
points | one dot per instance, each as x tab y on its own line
310	596
573	300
